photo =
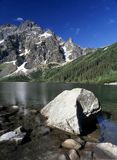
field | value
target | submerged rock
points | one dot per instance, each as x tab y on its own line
15	107
87	155
97	151
72	111
108	148
17	135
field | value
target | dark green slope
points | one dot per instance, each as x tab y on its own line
98	67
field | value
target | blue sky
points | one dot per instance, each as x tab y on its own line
91	23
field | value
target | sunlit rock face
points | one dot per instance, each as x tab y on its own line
32	47
71	51
72	111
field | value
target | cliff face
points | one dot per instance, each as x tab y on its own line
28	46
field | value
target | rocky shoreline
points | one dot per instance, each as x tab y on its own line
41	142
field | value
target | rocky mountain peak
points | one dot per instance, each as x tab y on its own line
71	50
6	30
28	26
28	46
7	26
28	23
70	41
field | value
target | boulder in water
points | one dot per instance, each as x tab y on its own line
72	111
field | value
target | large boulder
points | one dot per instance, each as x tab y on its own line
71	110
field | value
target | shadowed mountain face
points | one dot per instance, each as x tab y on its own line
27	47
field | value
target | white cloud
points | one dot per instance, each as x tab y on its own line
19	19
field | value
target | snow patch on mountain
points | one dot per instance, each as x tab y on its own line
67	54
105	48
14	62
25	53
38	43
2	41
21	68
45	35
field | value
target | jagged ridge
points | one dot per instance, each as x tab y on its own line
28	47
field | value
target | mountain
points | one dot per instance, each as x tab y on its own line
28	47
100	67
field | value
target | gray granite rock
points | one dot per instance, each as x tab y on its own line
70	111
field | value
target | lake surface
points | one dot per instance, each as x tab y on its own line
39	94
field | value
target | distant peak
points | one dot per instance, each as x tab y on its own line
7	25
28	23
70	40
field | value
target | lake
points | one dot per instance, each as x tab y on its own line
39	94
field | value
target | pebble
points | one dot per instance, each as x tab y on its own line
71	144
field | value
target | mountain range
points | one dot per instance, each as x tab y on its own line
30	53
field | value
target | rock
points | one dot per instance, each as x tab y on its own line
44	130
99	151
50	155
17	135
86	155
108	148
81	141
71	144
73	155
1	108
99	154
90	145
72	111
61	157
34	111
15	107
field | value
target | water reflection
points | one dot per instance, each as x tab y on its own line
41	93
20	90
14	93
108	130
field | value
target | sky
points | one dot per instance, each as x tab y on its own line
90	23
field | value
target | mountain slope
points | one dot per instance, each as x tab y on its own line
100	67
